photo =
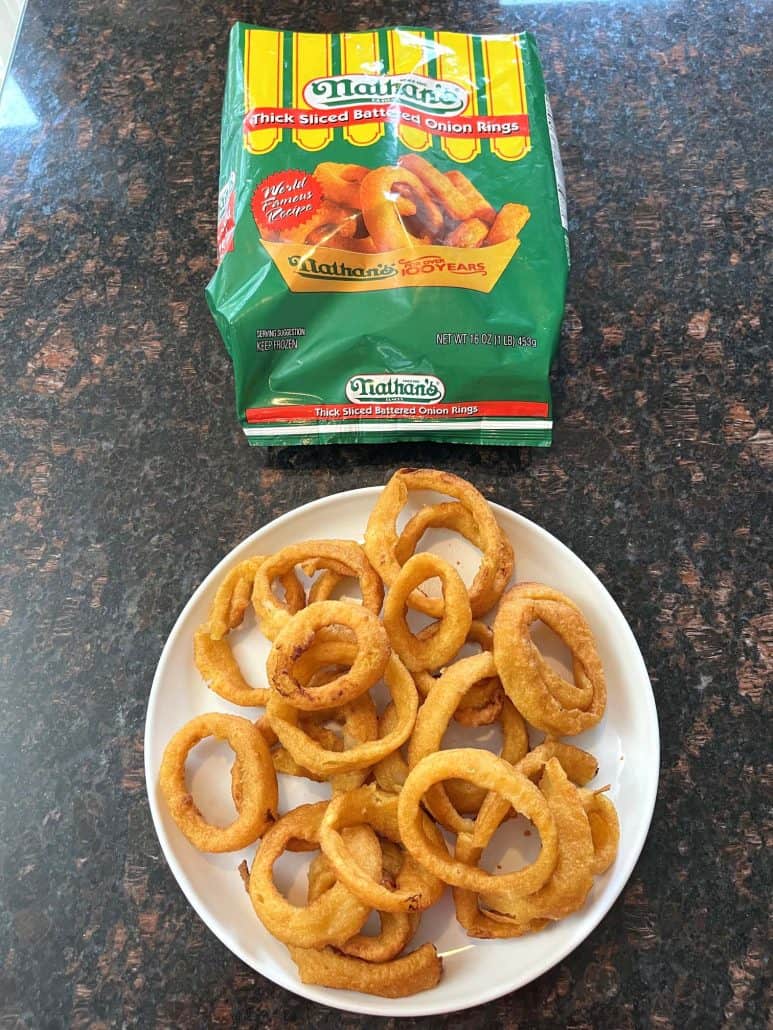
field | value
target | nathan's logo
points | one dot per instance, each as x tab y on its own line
395	389
431	96
340	271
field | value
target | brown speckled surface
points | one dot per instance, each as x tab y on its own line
125	478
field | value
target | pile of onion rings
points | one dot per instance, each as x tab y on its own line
410	204
394	787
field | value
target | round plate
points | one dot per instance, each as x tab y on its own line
626	744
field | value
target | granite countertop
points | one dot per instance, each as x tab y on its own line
125	478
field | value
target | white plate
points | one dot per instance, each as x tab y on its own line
626	744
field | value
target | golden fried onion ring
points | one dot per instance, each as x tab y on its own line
418	971
343	554
233	596
482	704
494	774
580	766
381	202
212	651
285	722
396	929
299	633
360	724
381	537
254	790
604	828
451	632
333	917
416	888
545	699
572	878
432	722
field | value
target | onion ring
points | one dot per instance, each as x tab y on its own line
359	720
452	630
211	650
572	878
494	774
454	515
432	722
427	217
416	889
547	700
370	661
220	671
604	828
333	917
346	553
284	721
459	207
419	971
580	766
379	200
341	184
482	704
484	925
480	206
254	791
471	233
360	724
508	223
397	928
233	596
381	537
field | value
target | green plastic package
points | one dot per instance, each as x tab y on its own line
392	244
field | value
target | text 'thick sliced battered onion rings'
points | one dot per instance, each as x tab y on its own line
545	699
285	722
494	774
432	722
418	971
333	917
451	632
272	616
381	537
256	796
298	635
416	888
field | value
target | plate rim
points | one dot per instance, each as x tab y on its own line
370	1004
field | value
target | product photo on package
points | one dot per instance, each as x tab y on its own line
392	237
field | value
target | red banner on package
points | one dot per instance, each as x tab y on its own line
474	126
344	412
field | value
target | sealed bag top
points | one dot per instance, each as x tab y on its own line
391	236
